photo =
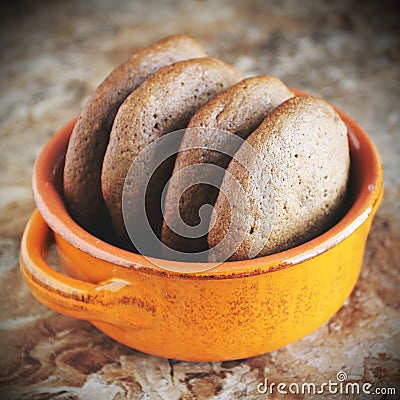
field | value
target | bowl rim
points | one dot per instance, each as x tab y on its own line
55	214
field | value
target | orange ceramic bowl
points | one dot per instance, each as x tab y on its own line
235	310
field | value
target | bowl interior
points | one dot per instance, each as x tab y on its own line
365	187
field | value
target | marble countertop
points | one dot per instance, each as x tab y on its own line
55	53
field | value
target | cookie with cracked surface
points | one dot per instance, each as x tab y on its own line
165	102
238	110
90	136
303	156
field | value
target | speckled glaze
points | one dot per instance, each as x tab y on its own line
233	311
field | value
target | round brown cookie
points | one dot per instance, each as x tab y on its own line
165	102
89	139
238	110
303	156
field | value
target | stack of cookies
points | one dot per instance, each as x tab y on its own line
290	160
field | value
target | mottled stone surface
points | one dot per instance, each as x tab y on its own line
53	55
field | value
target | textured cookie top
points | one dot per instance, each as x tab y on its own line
295	187
238	110
89	139
165	102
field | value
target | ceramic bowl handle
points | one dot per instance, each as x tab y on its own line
112	301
